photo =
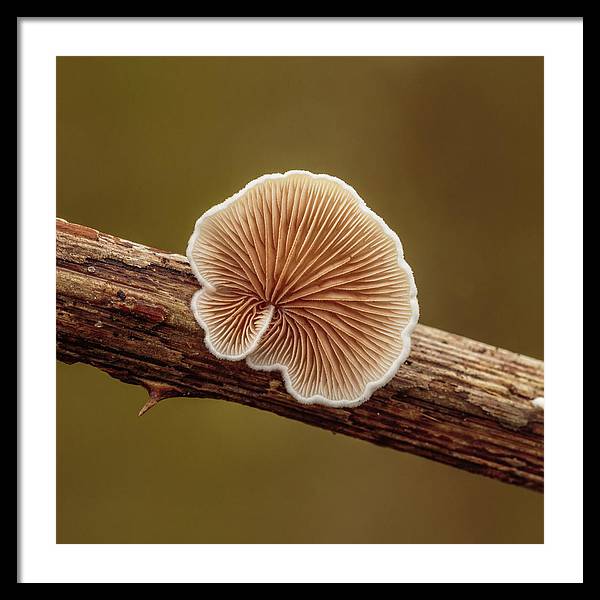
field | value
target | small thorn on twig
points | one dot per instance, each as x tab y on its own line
149	404
157	392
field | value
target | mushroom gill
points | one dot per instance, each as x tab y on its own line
299	275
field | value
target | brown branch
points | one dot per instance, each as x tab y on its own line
124	308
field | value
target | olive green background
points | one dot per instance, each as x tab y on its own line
449	151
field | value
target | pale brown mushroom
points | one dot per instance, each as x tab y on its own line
300	276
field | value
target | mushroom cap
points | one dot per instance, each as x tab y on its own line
299	275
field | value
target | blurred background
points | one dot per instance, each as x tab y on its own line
449	151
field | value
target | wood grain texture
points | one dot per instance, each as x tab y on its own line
125	308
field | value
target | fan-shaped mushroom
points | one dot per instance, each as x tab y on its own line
299	275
